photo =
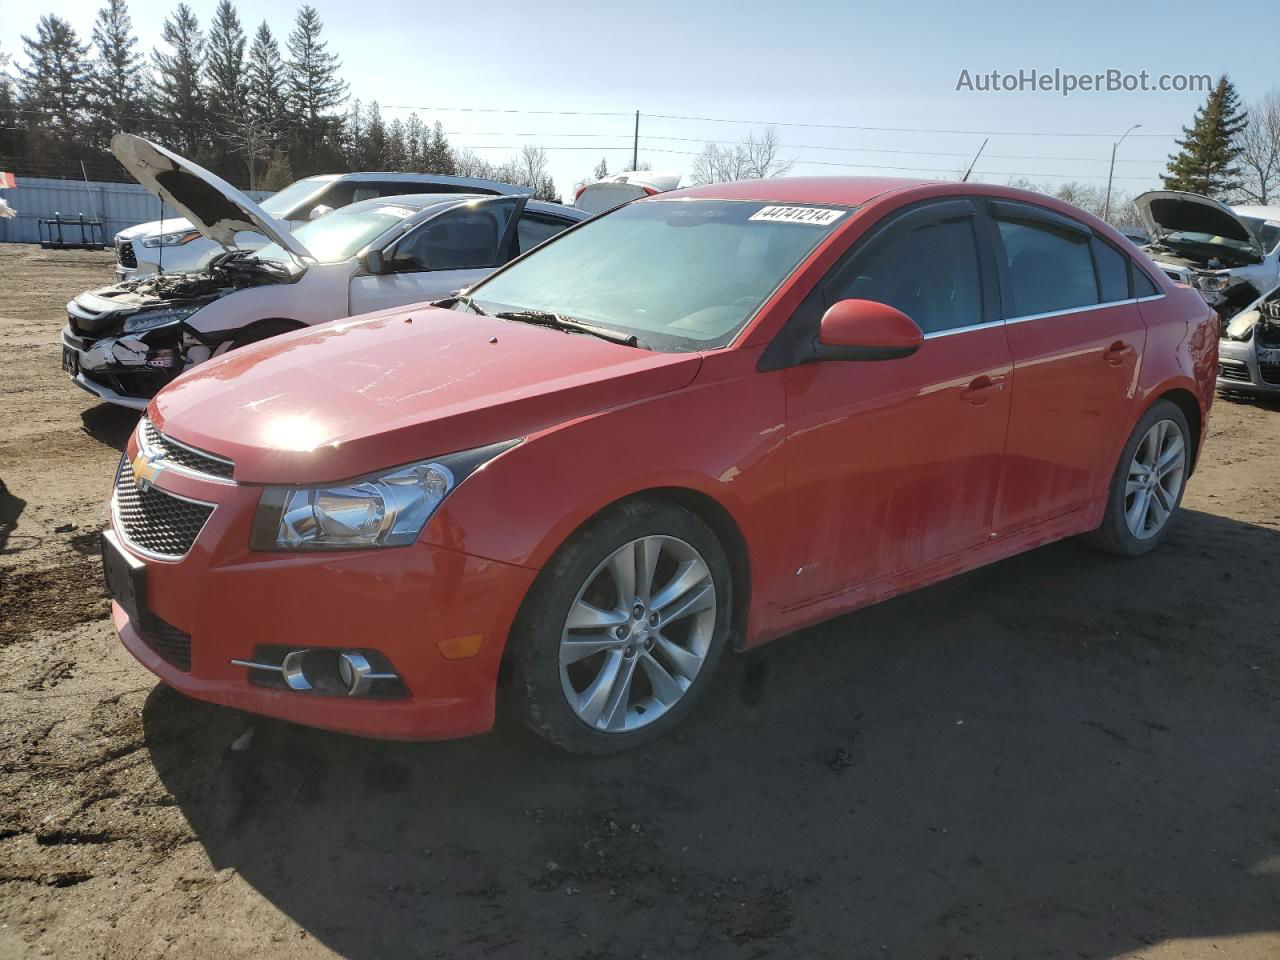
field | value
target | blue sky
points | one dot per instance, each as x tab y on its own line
850	63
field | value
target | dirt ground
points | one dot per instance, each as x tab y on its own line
1065	755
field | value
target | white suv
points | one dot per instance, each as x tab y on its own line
176	246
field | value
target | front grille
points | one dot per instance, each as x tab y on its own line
1233	372
184	456
125	254
172	644
155	521
1270	373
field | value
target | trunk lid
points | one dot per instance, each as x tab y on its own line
213	206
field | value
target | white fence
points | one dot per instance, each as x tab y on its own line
117	205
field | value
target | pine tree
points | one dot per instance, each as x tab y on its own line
374	147
179	90
437	155
1206	162
224	62
414	144
118	97
312	79
602	169
397	155
264	87
54	85
279	171
10	136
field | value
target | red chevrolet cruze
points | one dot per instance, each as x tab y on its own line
700	421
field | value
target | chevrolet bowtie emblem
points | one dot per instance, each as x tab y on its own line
146	467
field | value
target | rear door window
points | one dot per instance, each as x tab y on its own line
1113	271
1048	269
535	228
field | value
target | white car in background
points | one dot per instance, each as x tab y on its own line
1230	254
124	342
175	245
611	191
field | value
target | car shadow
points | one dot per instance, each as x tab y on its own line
110	424
11	508
1063	754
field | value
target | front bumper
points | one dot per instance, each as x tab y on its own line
416	605
1244	368
127	385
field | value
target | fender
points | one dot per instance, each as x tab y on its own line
319	296
712	438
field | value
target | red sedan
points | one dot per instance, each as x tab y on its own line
696	423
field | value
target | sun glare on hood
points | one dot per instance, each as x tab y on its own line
294	432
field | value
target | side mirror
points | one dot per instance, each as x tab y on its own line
375	263
319	211
866	330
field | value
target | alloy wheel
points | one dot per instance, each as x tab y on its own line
1155	479
637	634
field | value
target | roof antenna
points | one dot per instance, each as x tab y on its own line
965	178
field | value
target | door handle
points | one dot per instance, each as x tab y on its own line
981	388
1117	353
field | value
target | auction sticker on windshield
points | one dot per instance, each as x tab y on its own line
818	216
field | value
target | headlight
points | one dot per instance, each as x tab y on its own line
1212	282
151	319
384	510
171	239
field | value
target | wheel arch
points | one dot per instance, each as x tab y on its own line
1186	401
716	516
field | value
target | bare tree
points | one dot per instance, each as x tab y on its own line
754	158
250	137
1260	150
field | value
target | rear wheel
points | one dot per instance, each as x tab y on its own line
1148	484
623	629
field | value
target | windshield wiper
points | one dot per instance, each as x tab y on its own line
467	302
559	321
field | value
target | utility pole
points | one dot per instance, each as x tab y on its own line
1106	207
635	145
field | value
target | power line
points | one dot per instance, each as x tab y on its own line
848	126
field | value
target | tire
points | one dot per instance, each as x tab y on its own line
1117	532
559	700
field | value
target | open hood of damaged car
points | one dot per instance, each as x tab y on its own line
1172	211
214	207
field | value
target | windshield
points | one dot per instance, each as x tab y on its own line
678	274
340	235
281	204
1267	231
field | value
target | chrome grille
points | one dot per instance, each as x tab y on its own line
195	461
154	521
125	254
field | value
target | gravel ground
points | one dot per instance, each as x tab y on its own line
1061	755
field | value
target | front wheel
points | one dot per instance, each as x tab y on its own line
1148	484
623	629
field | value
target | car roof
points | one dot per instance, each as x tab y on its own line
420	202
364	176
845	191
1262	213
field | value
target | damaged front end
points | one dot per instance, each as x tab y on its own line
1249	352
124	342
1213	277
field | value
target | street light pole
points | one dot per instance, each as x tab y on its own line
1106	207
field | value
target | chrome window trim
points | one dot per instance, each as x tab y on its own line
1039	316
180	468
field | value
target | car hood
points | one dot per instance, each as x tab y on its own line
1171	211
347	398
211	205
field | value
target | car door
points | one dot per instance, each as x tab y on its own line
441	255
1077	337
894	464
